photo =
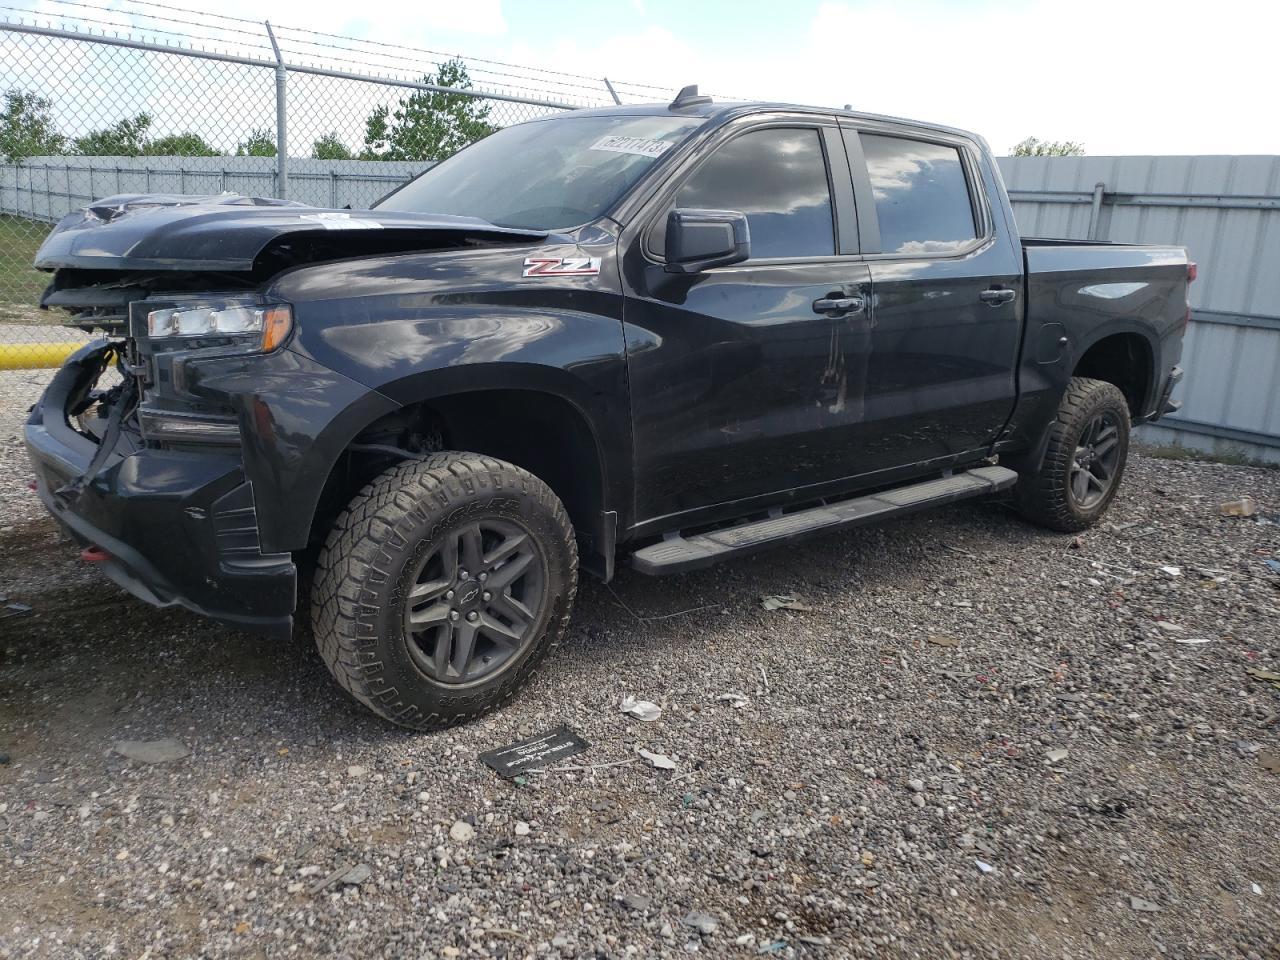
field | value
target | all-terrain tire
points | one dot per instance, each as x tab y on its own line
366	574
1047	496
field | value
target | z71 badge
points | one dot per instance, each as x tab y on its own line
561	266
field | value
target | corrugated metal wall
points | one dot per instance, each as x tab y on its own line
1226	212
47	188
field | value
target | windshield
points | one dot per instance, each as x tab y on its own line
544	175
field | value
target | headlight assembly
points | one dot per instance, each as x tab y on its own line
236	319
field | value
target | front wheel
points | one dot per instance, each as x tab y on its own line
442	586
1084	462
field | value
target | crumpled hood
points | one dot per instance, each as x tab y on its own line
178	232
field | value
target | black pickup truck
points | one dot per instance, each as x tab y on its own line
667	335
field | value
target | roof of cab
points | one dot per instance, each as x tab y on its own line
730	109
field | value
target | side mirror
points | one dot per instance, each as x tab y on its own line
700	239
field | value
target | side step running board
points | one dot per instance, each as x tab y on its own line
678	553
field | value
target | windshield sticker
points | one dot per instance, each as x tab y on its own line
341	221
640	146
561	266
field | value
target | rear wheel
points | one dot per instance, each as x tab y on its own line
442	586
1085	459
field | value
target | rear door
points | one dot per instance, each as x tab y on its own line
737	374
934	373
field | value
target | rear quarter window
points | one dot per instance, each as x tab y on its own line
921	195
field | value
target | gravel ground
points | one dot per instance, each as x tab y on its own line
983	740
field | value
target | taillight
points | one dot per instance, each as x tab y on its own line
1191	272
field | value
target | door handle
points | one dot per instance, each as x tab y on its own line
833	305
998	295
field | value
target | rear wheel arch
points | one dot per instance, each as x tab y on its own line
1125	358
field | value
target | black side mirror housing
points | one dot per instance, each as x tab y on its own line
700	239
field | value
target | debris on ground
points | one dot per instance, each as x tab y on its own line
785	602
735	700
704	923
659	760
1171	571
637	902
1242	507
1269	761
1266	676
346	875
644	710
1057	756
984	866
152	751
14	610
534	753
461	832
1143	906
941	640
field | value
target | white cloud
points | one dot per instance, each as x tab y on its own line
474	16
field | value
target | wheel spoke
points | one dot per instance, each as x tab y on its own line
505	549
508	606
495	628
443	651
431	616
510	573
472	549
464	642
432	590
1095	481
1080	484
449	558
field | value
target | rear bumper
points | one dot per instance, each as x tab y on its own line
178	529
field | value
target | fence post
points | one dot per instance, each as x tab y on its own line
1095	211
282	120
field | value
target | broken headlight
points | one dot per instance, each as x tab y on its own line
219	317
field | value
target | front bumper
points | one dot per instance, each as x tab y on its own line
178	529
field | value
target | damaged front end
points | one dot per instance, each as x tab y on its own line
147	446
171	526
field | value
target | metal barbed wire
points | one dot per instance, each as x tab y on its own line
479	67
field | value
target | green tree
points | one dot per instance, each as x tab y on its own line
180	145
260	144
428	124
26	127
1033	147
128	138
330	147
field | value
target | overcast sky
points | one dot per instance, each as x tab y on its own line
1119	76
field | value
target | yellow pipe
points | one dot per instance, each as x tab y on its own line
36	356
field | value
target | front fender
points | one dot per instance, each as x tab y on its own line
296	418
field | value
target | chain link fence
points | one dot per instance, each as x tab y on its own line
87	116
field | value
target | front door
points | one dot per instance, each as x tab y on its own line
738	375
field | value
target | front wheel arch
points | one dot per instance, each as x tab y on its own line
543	433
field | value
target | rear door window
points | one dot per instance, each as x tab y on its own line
921	195
777	176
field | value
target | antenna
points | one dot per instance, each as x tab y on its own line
688	97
